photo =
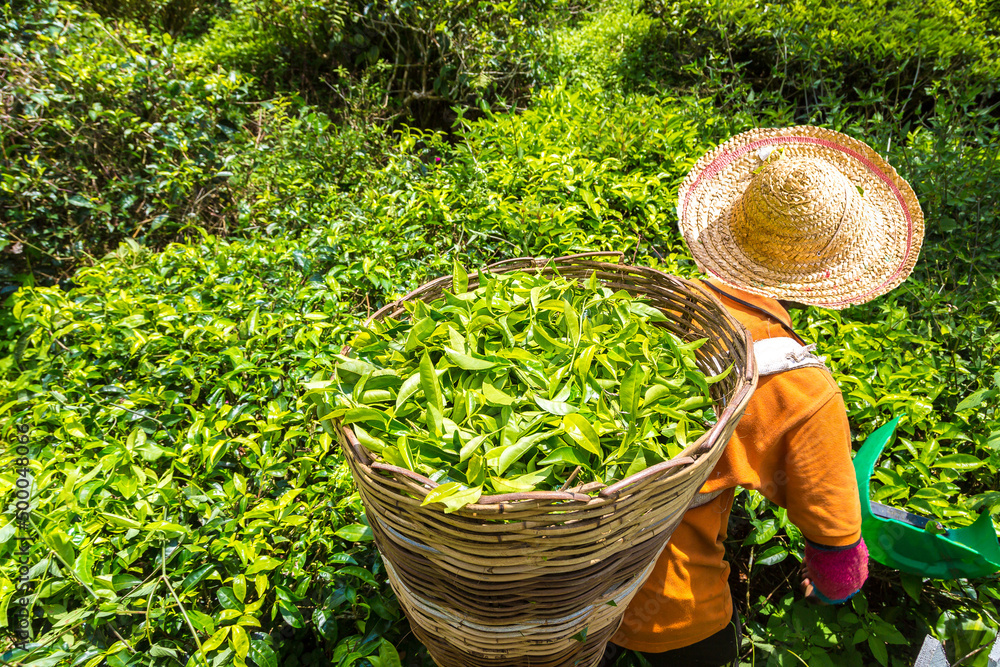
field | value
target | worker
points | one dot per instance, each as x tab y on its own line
797	215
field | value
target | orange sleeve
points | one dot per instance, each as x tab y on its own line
812	476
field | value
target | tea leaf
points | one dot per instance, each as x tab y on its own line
580	430
460	279
630	389
432	391
453	496
467	362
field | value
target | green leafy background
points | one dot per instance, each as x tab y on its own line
201	201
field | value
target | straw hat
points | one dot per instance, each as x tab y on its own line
801	213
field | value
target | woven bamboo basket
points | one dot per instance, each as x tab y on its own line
543	578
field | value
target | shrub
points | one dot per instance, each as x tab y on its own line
809	51
183	501
170	16
299	167
102	139
417	59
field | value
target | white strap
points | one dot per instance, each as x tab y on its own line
704	498
774	355
777	355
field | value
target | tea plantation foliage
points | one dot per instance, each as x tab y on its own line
198	201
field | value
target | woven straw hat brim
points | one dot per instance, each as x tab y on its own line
876	253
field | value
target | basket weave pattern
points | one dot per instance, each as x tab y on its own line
515	579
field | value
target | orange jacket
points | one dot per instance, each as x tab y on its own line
793	445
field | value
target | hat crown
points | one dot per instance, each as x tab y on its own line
797	210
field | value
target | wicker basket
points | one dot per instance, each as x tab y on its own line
543	578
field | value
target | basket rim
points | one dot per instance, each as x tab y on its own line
502	503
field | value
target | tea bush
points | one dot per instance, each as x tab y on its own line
107	136
104	138
810	52
411	60
170	16
186	503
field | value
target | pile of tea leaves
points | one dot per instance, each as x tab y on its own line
525	383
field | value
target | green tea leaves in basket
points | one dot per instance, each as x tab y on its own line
527	382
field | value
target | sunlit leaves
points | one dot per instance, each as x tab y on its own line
516	383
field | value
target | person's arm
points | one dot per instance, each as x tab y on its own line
820	493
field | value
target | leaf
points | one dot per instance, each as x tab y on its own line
580	430
290	613
501	458
355	533
459	278
889	633
654	393
240	587
638	463
359	572
215	641
353	366
239	640
974	400
993	441
475	473
326	622
405	455
457	340
369	442
545	340
201	621
721	376
411	385
572	324
75	429
558	408
773	555
878	650
567	455
158	651
453	496
432	392
471	447
680	433
419	332
227	599
958	462
521	483
628	393
647	311
388	655
583	362
495	396
467	362
63	546
80	201
84	566
8	531
262	654
197	577
263	564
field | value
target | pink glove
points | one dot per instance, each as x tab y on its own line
835	573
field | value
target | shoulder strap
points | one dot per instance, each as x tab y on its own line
777	355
